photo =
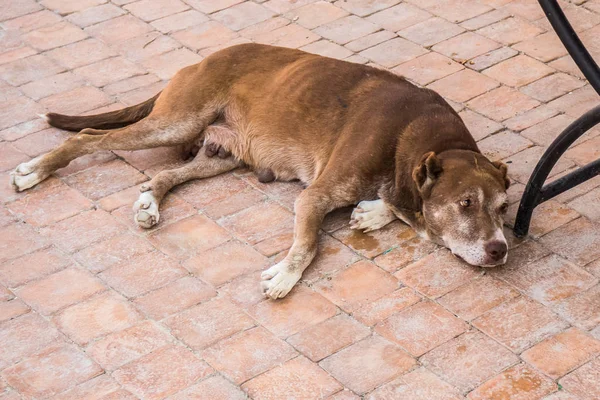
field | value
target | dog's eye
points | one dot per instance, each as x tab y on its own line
504	208
465	203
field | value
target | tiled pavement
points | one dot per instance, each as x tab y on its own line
94	308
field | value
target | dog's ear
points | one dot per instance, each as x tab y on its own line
426	173
504	171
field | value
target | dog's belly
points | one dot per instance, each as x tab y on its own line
288	160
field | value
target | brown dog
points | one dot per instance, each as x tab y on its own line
351	133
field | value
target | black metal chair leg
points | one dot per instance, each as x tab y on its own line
535	191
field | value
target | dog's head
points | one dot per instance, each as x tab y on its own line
464	202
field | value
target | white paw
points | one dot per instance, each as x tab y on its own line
25	177
146	210
277	281
371	215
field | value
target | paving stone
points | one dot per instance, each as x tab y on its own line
32	266
120	348
520	380
518	71
162	373
399	17
316	14
465	46
463	85
510	31
118	30
214	388
242	15
81	53
193	234
167	64
583	382
18	240
362	8
52	371
94	389
60	290
562	353
142	273
12	309
308	308
98	316
174	297
468	360
421	327
491	58
150	10
327	49
179	21
76	101
419	384
210	6
293	36
367	364
431	31
393	52
94	15
519	323
346	29
356	286
11	9
248	354
301	378
207	323
108	71
581	310
54	36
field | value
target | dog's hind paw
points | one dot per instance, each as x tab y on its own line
277	281
371	215
25	176
146	210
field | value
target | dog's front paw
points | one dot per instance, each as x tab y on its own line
146	210
371	215
25	175
277	281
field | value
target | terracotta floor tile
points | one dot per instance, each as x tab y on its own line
194	234
367	364
259	222
32	266
245	290
247	354
582	310
583	382
162	373
116	250
120	348
562	353
384	307
12	309
212	388
94	389
582	247
468	360
551	279
356	286
174	297
419	384
80	231
377	242
437	274
142	273
96	317
207	323
60	290
226	262
307	308
324	339
521	380
52	371
478	296
421	327
519	323
301	378
332	256
18	240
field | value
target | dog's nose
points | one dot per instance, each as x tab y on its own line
496	249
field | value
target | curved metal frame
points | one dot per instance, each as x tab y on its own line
536	192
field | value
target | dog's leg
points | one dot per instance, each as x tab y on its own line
311	207
146	208
371	215
147	133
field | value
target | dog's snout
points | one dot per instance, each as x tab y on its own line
496	250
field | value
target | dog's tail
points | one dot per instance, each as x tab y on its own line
108	120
